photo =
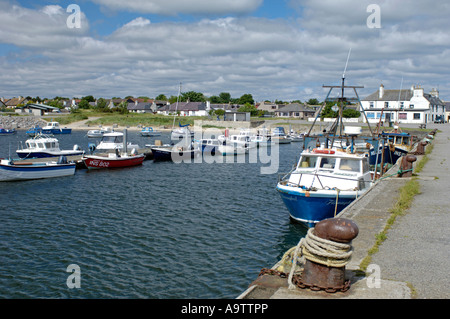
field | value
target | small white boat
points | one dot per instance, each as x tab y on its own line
180	133
45	146
98	133
20	171
279	136
112	141
149	131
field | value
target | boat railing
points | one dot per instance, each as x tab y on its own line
283	179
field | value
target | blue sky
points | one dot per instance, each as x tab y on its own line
271	49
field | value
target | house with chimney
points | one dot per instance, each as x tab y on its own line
411	106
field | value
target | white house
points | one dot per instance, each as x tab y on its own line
411	106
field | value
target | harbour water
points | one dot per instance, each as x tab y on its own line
160	230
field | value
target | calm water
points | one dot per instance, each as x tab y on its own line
160	230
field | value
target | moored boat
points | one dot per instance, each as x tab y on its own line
175	153
4	131
45	146
391	147
279	136
55	128
323	183
98	133
149	131
20	171
112	160
114	140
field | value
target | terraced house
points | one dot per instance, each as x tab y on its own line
411	106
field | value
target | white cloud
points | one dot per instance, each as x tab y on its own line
271	59
174	7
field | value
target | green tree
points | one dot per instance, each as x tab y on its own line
313	102
101	104
347	113
246	98
247	107
84	104
161	97
88	98
225	97
192	96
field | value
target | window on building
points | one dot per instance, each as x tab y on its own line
417	116
372	105
386	104
402	105
411	106
402	116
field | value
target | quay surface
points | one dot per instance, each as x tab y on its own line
413	260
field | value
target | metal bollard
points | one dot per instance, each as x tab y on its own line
329	278
406	166
420	148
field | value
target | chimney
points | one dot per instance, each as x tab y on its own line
418	91
434	93
381	92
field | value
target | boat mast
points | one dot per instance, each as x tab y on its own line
176	107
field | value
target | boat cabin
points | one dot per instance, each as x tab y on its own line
42	144
331	169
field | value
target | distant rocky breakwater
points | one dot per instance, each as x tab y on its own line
20	122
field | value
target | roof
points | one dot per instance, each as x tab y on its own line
185	106
139	106
295	107
390	95
40	106
15	101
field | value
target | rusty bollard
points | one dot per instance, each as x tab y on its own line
323	275
406	166
420	148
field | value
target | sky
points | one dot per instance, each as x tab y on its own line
273	49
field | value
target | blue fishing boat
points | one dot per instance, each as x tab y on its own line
391	147
323	183
4	131
330	176
34	131
54	128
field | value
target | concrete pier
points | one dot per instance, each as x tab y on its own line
413	260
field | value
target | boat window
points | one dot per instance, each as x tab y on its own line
327	163
308	162
349	165
48	145
40	145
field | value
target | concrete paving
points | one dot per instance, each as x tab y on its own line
412	262
417	249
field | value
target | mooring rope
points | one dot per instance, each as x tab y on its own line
318	250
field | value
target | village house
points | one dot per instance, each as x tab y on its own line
411	106
268	106
186	108
36	109
296	110
15	101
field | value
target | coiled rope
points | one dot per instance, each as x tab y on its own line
318	250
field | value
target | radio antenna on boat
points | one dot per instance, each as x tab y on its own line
346	63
